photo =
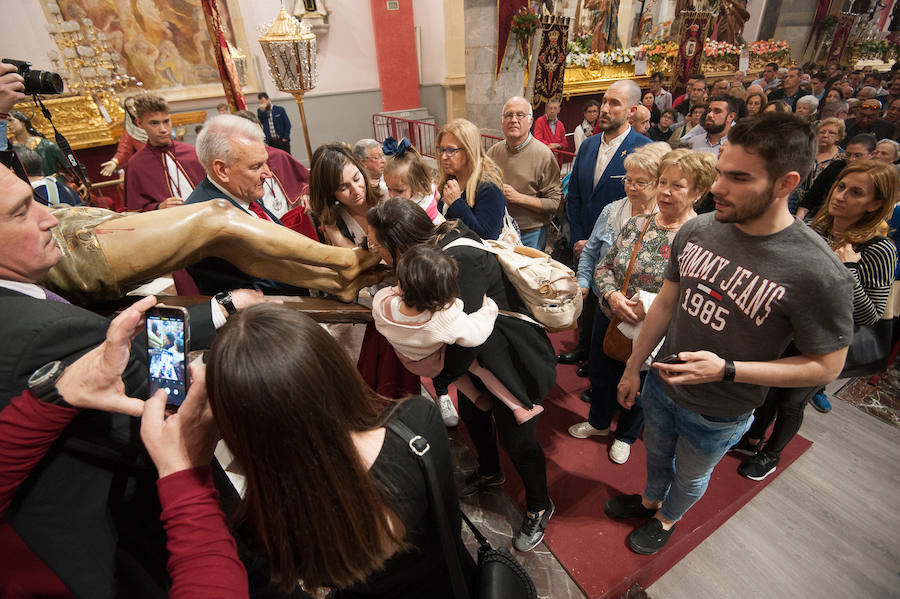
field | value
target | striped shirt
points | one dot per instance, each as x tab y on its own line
874	274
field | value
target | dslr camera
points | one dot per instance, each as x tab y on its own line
37	82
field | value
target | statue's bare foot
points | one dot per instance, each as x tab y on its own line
362	260
372	276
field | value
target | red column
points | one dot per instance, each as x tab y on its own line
395	50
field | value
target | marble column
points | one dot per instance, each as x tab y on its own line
485	96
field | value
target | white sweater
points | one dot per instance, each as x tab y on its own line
420	336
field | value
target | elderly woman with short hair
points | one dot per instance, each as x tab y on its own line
806	107
683	177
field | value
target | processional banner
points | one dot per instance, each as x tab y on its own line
505	11
694	29
549	74
227	73
842	32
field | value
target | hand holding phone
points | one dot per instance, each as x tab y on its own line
670	359
168	344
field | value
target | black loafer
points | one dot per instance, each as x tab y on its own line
573	357
649	537
583	371
627	506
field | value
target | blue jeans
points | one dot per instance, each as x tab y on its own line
536	238
683	447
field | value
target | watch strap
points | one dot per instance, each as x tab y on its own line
728	377
224	299
42	384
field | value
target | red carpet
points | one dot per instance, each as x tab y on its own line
581	478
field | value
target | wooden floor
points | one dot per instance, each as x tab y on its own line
830	527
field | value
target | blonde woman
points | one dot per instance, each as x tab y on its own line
683	177
471	185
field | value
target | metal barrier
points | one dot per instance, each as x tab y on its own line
422	136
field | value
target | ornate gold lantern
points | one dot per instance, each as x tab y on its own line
290	50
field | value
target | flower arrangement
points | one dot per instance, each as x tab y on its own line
525	23
581	43
617	56
769	49
661	50
716	49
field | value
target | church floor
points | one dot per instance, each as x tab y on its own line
827	528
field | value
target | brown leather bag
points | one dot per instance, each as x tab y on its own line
616	345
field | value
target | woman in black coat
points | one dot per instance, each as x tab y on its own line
517	352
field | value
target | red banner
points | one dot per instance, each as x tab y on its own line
227	73
842	32
505	11
694	29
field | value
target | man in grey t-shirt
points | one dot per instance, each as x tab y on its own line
741	284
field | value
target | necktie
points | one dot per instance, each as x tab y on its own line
258	211
53	297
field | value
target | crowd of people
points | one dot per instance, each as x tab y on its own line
686	217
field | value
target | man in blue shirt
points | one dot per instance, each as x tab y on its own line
275	123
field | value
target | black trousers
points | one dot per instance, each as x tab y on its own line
785	407
281	144
519	441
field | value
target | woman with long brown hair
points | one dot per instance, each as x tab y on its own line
853	222
470	184
339	196
333	498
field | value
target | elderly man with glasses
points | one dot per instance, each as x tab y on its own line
530	174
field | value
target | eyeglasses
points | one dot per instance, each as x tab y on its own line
871	105
448	152
636	183
519	116
826	132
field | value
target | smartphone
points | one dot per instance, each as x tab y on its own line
670	359
168	345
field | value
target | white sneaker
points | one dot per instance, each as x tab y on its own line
448	411
619	451
583	430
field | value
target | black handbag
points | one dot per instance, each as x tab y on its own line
500	575
869	350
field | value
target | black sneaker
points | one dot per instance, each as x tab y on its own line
759	466
743	446
627	506
532	530
475	483
649	538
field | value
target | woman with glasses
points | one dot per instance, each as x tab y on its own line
471	185
684	176
828	133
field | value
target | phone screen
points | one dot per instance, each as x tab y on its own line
166	352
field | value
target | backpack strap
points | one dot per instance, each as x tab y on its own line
465	241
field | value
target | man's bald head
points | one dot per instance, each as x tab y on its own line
640	119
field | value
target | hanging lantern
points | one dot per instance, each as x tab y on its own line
290	50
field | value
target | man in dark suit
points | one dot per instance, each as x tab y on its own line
89	510
596	181
275	123
232	151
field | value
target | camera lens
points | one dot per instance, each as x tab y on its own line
42	82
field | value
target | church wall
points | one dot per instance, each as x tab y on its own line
341	106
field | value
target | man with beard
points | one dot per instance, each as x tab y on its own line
596	181
716	122
733	299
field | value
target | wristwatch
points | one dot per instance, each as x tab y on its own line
729	372
42	383
224	299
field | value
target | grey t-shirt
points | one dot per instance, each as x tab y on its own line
746	298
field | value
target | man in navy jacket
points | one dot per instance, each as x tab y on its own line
275	123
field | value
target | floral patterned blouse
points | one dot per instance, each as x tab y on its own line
649	266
